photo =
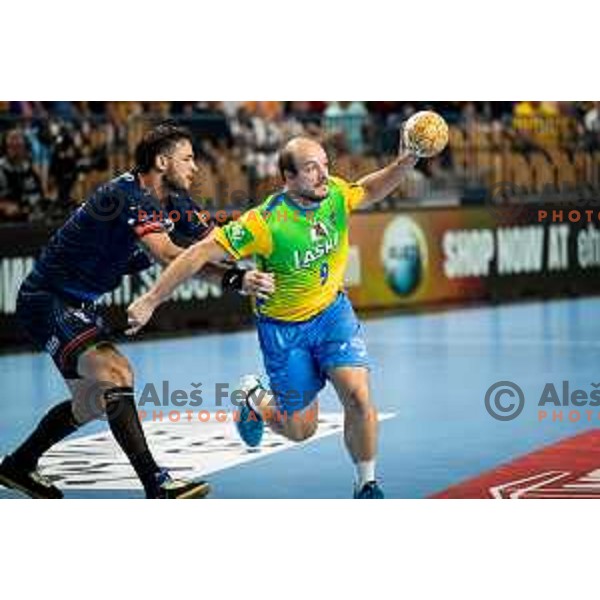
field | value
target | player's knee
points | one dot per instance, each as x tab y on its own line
106	364
301	426
297	434
358	401
123	372
310	428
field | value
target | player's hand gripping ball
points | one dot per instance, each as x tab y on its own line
425	134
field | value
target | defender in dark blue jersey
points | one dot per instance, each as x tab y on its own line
120	229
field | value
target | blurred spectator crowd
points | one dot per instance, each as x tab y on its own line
52	154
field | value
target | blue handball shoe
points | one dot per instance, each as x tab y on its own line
369	491
251	426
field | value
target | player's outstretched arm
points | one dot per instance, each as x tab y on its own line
186	265
380	184
249	282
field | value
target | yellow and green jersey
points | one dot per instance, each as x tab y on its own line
306	250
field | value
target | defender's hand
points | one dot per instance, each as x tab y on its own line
139	313
258	284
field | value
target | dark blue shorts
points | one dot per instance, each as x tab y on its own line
62	328
297	356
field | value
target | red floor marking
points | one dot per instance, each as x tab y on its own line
568	469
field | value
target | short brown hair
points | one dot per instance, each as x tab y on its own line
159	140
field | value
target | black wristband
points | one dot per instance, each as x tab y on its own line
233	279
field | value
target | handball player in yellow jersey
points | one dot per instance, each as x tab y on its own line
307	328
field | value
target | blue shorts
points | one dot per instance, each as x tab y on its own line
297	356
63	328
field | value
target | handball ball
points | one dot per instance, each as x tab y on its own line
426	134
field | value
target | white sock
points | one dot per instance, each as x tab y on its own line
365	472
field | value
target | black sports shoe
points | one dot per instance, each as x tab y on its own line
31	483
178	489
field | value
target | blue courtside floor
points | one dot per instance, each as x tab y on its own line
430	379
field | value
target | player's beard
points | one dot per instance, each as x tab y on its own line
172	184
310	196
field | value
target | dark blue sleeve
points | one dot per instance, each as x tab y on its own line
138	261
192	224
122	200
147	217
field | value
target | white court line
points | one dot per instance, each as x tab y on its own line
541	479
193	450
544	494
582	486
540	489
